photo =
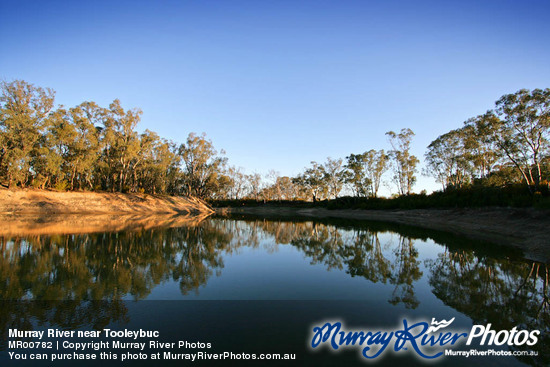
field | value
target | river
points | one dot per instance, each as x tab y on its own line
252	285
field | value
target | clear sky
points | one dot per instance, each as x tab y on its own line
277	84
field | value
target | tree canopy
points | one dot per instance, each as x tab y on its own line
490	147
96	148
90	147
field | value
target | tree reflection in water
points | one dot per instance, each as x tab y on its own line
77	280
503	292
109	267
360	253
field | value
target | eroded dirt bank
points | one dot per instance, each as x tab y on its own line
51	202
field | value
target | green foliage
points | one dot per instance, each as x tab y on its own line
404	163
333	175
201	166
89	147
61	185
447	160
523	131
475	196
501	147
25	112
365	171
471	197
96	148
313	182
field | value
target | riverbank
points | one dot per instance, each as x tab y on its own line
32	201
524	229
53	224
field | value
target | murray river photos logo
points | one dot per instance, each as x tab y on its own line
429	341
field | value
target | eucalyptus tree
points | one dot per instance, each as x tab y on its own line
119	143
376	163
312	181
46	160
238	183
78	143
282	188
334	175
404	163
155	166
523	131
202	166
481	149
447	161
255	184
274	190
144	163
125	142
287	190
355	175
365	171
25	113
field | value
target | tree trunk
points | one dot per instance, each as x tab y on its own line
73	174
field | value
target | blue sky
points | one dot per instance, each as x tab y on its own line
277	84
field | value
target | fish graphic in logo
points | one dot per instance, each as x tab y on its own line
439	325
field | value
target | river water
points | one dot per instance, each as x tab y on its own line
252	285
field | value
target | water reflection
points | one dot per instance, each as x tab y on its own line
488	287
109	266
502	292
360	254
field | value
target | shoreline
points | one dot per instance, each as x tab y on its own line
525	229
16	225
34	201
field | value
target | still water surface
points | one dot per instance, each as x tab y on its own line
364	274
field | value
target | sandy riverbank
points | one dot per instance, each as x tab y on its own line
51	202
525	229
40	224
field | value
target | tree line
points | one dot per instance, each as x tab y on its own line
359	174
89	147
506	145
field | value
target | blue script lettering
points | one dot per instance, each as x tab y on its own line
376	343
442	339
377	338
321	336
405	335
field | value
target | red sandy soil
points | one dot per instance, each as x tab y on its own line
52	202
